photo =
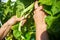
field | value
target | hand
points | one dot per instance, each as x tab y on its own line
14	19
39	18
39	13
7	26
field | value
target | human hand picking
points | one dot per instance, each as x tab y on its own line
39	18
7	26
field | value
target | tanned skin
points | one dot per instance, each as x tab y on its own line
39	18
7	26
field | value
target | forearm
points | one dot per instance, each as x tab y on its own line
6	31
41	33
3	28
7	26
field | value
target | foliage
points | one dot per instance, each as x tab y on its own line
19	8
52	8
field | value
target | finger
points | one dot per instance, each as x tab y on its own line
38	9
23	22
36	5
41	7
19	19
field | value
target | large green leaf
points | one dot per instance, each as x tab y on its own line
47	2
52	8
53	27
56	8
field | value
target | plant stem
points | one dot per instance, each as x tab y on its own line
27	9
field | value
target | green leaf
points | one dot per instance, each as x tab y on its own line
17	34
15	27
47	2
53	26
28	35
49	20
47	9
19	8
56	8
58	4
51	8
